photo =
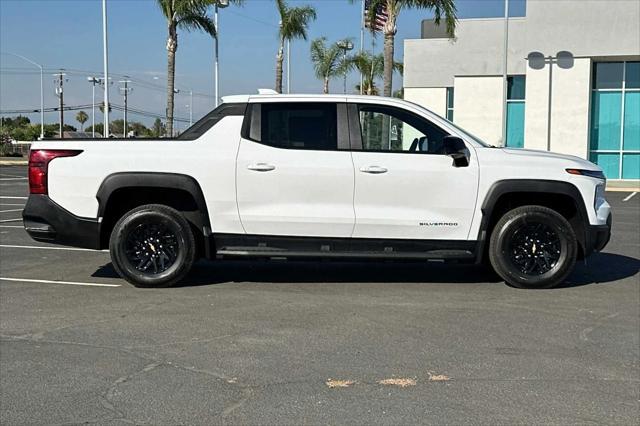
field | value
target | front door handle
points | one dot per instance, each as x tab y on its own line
261	167
375	170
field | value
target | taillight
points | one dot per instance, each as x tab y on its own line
39	164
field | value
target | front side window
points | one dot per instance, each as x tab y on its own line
395	130
300	125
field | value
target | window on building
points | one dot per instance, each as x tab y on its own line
299	125
450	104
615	119
515	111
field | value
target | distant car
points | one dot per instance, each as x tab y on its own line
318	176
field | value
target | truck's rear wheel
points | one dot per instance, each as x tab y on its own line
533	247
152	246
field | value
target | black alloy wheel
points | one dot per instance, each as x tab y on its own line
152	246
533	247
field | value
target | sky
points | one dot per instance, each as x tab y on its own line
68	34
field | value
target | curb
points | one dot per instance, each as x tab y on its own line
14	162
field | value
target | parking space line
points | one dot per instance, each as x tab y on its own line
51	248
12	204
14	178
14	198
11	226
7	174
10	220
28	280
628	197
9	211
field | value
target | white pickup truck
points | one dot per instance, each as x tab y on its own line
318	176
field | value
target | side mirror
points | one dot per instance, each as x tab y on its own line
455	148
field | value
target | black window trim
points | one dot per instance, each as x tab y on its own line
355	131
201	126
252	126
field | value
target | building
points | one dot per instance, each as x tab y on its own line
594	108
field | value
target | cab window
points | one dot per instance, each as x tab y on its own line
390	129
303	125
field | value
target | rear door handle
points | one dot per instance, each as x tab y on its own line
375	170
261	167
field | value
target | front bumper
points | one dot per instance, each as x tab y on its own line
46	221
597	236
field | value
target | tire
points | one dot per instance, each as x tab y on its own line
152	246
533	247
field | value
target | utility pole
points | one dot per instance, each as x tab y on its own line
288	66
125	91
59	82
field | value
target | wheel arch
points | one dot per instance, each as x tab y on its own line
506	195
120	192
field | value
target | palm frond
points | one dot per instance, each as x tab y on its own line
295	21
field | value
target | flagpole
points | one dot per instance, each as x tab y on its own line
362	45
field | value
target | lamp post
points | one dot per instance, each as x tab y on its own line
105	58
93	80
219	4
505	53
538	61
346	46
41	88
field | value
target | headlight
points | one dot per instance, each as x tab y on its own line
598	174
599	198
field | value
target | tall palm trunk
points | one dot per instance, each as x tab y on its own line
325	87
388	62
279	60
172	46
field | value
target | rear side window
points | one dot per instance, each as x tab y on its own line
301	125
211	119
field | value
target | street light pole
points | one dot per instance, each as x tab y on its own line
106	68
41	88
190	108
504	72
288	66
346	45
216	70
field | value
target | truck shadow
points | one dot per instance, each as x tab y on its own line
601	268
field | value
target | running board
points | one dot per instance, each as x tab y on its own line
278	253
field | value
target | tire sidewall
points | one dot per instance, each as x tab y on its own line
506	229
149	214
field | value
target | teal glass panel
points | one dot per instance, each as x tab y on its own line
516	87
608	75
610	163
632	75
606	115
631	166
515	124
631	136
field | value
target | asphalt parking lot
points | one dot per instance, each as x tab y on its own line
314	343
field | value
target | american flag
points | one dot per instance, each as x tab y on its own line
380	17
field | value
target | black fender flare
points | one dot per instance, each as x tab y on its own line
182	182
507	186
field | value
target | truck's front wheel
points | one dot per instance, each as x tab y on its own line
533	247
152	246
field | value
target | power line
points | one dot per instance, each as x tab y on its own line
131	110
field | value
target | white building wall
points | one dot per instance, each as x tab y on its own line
477	106
570	108
432	98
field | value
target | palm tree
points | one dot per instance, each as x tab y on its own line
328	62
82	117
371	67
293	25
188	15
441	8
